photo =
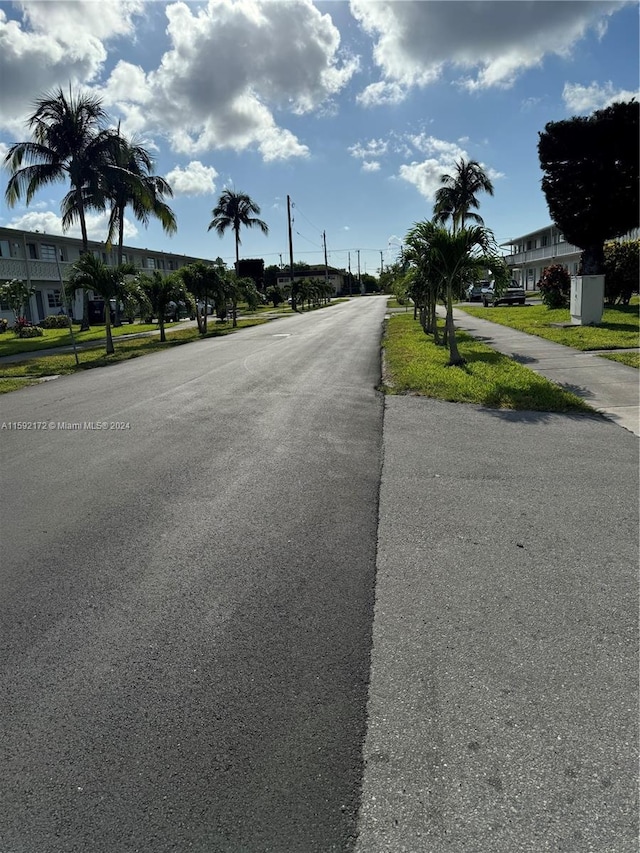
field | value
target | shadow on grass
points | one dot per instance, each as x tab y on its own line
531	416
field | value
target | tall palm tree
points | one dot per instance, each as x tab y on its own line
128	180
233	211
69	142
91	273
456	198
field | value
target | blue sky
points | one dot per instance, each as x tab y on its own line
353	109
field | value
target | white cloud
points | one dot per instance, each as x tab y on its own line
370	166
373	148
490	42
194	179
55	44
229	65
426	175
581	100
377	94
49	222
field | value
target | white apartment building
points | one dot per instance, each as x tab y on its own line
335	277
531	253
44	261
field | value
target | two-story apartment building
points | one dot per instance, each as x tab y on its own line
44	262
531	253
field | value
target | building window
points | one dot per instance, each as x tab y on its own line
545	241
529	245
53	299
47	252
31	249
150	263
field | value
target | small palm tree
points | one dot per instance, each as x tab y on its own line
456	257
160	291
456	198
69	142
91	273
235	210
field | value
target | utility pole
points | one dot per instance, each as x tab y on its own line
359	276
293	296
350	288
326	266
381	262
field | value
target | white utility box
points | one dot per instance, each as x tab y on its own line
587	299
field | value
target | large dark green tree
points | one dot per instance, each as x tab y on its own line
235	211
590	181
457	198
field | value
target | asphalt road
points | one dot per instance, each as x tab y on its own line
187	602
192	657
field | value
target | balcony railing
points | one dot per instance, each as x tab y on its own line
44	270
544	253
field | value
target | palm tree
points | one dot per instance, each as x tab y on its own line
456	198
128	180
69	142
456	257
91	273
208	286
233	211
160	291
423	279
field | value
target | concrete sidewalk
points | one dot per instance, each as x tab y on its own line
503	698
613	389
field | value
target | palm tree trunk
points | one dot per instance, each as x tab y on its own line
163	337
455	359
107	326
84	326
117	319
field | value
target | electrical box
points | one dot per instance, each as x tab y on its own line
587	299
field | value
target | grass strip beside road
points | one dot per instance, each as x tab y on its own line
11	345
19	374
415	365
619	329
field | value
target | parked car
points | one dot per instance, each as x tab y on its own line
474	291
513	295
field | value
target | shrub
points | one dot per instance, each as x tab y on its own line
555	286
3	325
25	329
621	271
55	321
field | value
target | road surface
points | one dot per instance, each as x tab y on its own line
187	602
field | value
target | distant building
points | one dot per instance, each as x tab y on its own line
44	261
532	252
335	277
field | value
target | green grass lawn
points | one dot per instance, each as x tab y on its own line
415	365
620	327
631	359
18	374
11	345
